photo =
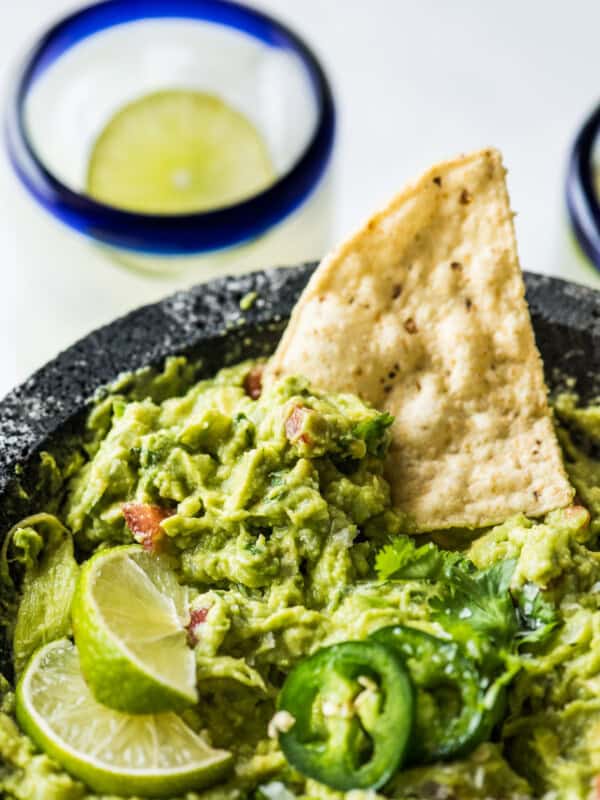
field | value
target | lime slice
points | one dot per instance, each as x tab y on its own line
129	617
177	151
150	755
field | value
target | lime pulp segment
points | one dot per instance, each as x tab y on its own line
175	152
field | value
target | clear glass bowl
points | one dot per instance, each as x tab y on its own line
582	188
98	59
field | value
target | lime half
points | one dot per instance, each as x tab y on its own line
129	620
175	152
154	755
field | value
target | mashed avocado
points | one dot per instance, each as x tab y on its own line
276	512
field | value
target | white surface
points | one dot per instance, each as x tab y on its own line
415	81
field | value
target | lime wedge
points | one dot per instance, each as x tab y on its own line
153	755
129	620
178	151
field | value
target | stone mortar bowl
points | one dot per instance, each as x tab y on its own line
207	324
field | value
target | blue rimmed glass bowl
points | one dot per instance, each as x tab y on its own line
583	188
92	62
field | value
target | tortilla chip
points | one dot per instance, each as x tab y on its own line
422	313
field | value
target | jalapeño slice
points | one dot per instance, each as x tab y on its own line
452	716
352	711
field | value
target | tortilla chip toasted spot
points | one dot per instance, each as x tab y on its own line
422	313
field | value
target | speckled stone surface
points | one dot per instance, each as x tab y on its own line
207	322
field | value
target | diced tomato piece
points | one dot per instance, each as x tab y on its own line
197	617
143	520
294	424
253	382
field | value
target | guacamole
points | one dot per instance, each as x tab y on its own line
274	511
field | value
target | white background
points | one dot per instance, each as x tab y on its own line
415	81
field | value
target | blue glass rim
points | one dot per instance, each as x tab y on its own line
183	234
583	207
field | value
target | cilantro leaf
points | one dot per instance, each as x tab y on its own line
537	615
479	606
403	560
475	607
394	557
